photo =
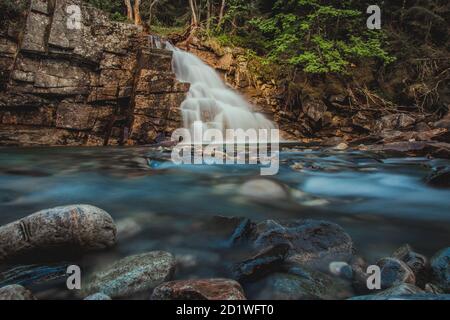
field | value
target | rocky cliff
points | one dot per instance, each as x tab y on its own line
87	81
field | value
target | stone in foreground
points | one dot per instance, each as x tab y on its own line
266	261
440	264
15	292
133	275
98	296
202	289
395	272
313	242
82	226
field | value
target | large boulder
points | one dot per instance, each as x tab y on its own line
132	275
81	226
313	242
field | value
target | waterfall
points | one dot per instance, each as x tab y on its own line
209	99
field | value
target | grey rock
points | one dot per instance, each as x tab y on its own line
313	242
133	275
98	296
83	226
440	265
439	178
266	261
416	261
15	292
264	190
341	269
394	272
401	289
299	284
420	296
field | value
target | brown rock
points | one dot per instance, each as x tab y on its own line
202	289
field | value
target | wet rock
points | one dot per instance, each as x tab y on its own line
133	274
266	261
83	226
415	261
201	289
27	275
263	189
230	230
394	272
98	296
359	268
15	292
313	242
420	296
440	265
298	283
440	178
401	289
341	146
432	288
128	228
341	269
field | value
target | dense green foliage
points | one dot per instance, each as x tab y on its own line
319	38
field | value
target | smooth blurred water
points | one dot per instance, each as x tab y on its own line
381	202
210	100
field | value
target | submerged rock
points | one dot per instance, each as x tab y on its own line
98	296
199	289
341	269
263	189
440	178
420	296
266	261
395	272
82	226
229	230
27	275
299	283
15	292
313	242
440	265
401	289
415	261
133	274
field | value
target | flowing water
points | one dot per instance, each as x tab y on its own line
210	100
381	202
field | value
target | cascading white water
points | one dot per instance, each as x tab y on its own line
209	99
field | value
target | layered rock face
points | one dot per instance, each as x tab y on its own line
69	76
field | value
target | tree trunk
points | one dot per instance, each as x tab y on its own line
221	13
150	13
193	6
129	10
208	15
137	13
